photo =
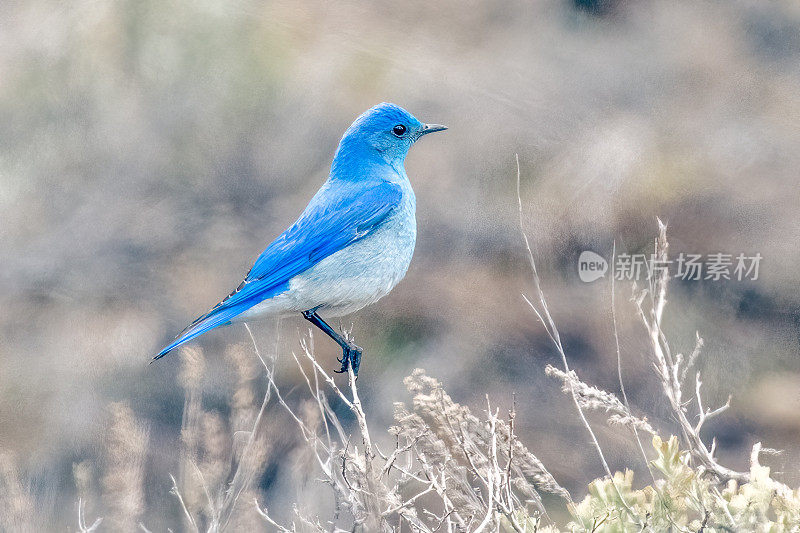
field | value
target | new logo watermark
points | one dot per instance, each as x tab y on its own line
591	266
688	267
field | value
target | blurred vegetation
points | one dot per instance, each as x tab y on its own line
150	150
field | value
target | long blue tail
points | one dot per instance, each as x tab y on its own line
246	295
215	318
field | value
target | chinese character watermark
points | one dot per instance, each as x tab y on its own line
687	267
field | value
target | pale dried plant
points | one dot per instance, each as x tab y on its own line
353	476
83	475
190	377
17	504
221	458
593	399
126	444
481	471
83	527
673	369
244	412
214	458
243	402
448	470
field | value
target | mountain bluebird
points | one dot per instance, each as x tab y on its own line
351	245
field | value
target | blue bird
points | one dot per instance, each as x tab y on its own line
351	245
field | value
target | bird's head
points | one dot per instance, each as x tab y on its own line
383	132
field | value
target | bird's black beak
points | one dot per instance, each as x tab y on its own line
431	128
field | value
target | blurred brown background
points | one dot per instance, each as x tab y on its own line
150	150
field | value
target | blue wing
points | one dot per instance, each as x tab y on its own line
339	214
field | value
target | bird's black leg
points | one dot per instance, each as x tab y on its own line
351	354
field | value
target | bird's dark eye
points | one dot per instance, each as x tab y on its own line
399	130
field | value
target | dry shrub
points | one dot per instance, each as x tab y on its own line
126	444
17	505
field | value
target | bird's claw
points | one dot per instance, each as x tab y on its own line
351	357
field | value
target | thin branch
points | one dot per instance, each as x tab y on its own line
556	338
619	364
186	512
670	372
265	515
